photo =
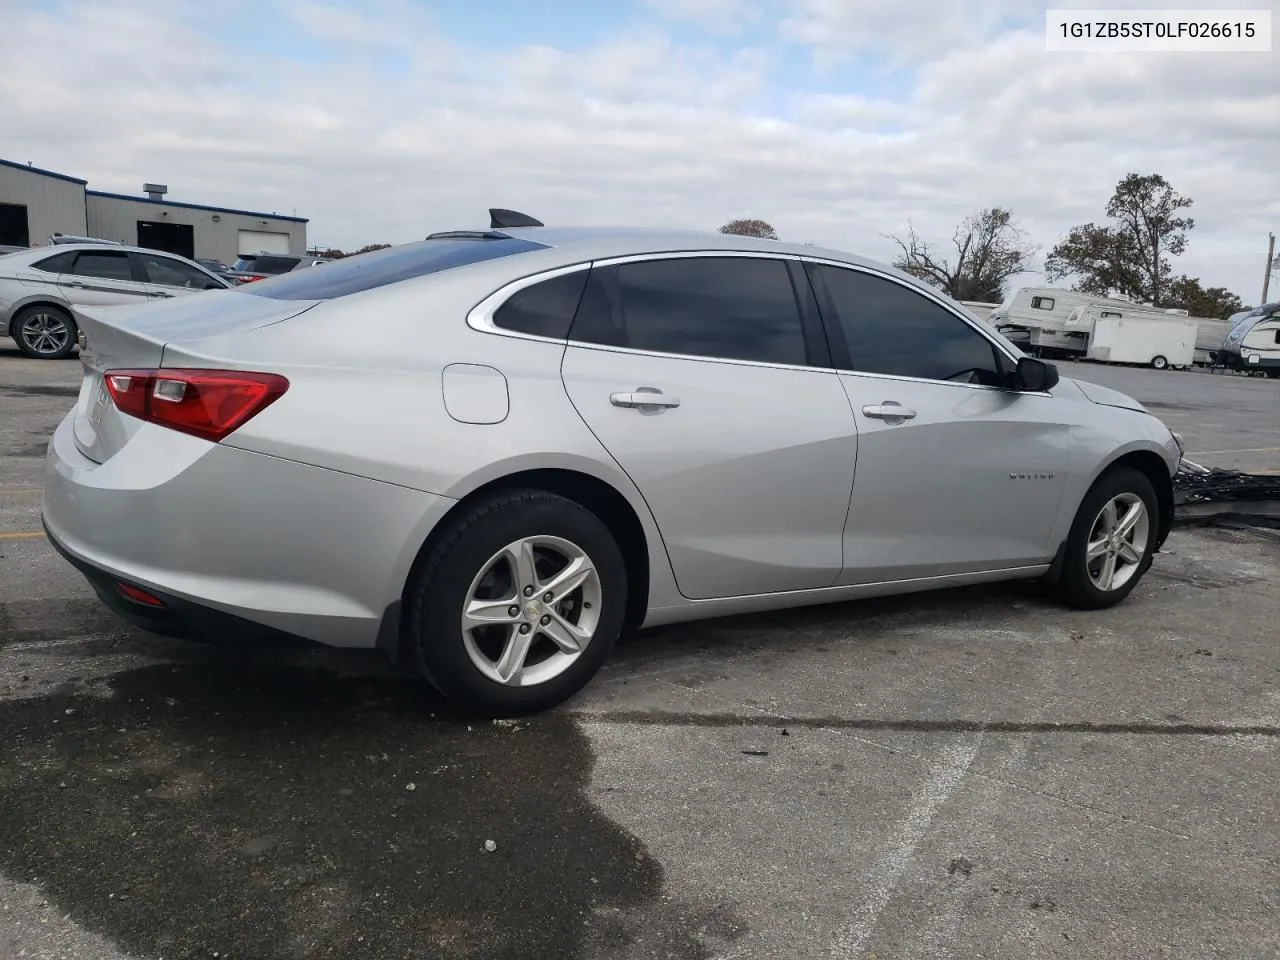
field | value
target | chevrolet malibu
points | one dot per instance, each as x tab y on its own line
489	453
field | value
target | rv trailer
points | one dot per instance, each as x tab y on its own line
1253	344
1046	313
1037	317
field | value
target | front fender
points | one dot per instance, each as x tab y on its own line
1096	448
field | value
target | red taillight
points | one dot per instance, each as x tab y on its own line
138	596
204	403
252	277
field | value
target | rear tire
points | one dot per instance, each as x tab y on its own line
490	644
1159	362
44	332
1111	541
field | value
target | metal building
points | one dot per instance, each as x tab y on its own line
35	204
190	229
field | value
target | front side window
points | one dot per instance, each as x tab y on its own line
544	309
173	273
102	264
725	308
893	330
1042	303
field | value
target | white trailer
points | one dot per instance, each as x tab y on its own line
1156	340
1038	315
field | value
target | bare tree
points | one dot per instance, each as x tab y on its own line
989	247
751	228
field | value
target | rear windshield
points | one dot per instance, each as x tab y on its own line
267	264
369	270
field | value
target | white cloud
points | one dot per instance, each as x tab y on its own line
637	129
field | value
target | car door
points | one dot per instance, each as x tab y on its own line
170	277
957	472
706	378
102	277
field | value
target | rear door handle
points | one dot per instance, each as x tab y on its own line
77	284
159	293
888	411
643	397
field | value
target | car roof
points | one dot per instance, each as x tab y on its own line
54	249
590	242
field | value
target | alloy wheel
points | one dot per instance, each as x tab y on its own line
531	611
45	333
1118	542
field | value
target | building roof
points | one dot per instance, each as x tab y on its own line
27	168
194	206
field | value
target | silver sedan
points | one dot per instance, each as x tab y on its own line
489	453
41	288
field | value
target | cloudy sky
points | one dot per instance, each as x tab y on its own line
836	120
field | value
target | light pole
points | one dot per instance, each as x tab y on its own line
1271	265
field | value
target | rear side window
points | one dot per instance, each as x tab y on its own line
729	308
103	264
382	267
58	263
545	309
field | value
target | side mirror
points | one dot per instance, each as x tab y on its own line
1034	376
214	286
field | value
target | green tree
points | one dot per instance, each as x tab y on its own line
1130	255
989	249
751	228
1186	293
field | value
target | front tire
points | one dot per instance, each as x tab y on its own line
44	332
1111	541
518	604
1159	362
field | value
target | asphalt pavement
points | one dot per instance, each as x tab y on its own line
975	773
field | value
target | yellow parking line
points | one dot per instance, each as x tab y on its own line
30	535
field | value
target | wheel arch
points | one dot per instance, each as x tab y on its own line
37	301
592	492
1151	465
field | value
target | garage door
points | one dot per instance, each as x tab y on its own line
262	241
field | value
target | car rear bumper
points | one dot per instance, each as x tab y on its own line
234	545
173	616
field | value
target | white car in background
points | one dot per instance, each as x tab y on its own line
40	288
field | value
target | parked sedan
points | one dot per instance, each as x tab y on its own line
489	453
41	289
252	267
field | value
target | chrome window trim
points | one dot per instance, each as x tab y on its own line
692	254
480	318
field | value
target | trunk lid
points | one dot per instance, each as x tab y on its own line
136	336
